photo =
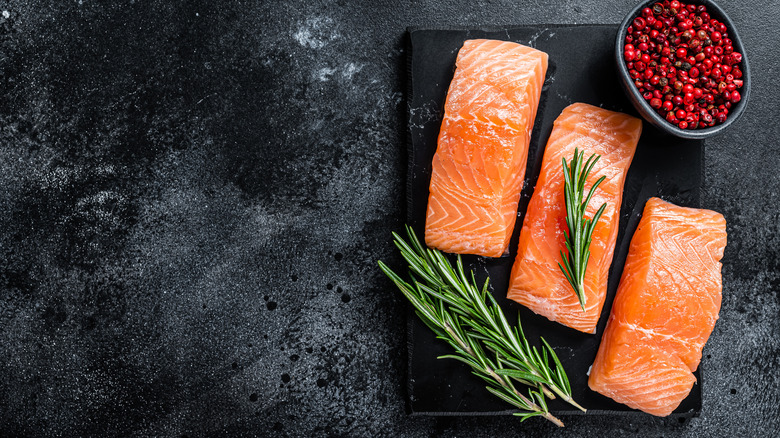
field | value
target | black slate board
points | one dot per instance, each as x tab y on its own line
580	70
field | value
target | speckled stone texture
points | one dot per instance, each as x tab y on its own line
194	196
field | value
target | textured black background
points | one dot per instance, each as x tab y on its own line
193	196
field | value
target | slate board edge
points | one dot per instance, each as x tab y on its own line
409	166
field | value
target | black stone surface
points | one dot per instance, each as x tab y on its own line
194	196
579	71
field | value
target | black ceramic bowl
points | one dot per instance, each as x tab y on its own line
644	108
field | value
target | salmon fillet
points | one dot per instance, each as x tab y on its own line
479	165
536	280
665	309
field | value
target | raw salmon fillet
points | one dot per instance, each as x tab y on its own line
479	165
536	280
665	308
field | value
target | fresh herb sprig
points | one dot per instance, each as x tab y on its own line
464	315
580	229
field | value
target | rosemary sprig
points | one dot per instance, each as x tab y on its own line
437	285
580	229
480	311
447	326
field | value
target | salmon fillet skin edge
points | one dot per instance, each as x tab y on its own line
664	310
479	165
536	280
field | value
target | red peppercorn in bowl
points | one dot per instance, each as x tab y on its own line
683	66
